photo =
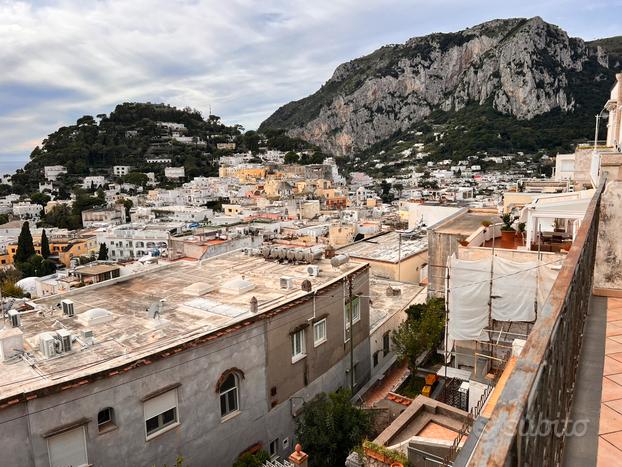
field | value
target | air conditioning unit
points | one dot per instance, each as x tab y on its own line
313	270
15	318
286	282
87	334
47	345
67	308
65	340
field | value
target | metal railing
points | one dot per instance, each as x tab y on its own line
539	391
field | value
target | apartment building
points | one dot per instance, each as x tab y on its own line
180	361
63	249
174	172
113	215
130	241
51	172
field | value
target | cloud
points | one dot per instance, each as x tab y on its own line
63	59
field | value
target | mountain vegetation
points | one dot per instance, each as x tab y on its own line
502	86
133	133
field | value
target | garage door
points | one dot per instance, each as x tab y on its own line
68	449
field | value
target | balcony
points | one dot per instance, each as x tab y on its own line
548	387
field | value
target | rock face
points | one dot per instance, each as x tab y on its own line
519	66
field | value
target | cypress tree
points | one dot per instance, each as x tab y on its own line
25	247
45	245
103	252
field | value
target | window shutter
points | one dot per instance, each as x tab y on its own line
161	403
68	448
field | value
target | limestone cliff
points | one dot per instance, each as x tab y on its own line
522	67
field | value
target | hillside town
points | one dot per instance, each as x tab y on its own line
213	312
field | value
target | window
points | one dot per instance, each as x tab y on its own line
319	332
298	345
274	448
229	395
356	311
68	448
161	413
353	306
386	343
105	419
376	359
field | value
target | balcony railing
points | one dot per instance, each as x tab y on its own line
540	389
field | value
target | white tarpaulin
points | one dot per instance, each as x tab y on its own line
469	285
514	290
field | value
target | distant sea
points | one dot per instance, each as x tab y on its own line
8	165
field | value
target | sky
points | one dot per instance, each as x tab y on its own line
242	59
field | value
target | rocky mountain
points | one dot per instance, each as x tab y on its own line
523	68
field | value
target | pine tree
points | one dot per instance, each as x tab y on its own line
25	247
45	245
103	252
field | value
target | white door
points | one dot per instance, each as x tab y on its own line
68	449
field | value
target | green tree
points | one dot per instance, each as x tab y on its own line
10	289
25	246
330	427
45	245
37	266
136	178
291	158
103	252
420	332
40	198
385	194
61	216
4	218
252	460
128	204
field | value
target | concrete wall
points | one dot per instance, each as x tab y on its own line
376	334
203	437
408	271
286	378
198	438
608	265
440	247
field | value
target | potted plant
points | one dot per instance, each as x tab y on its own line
507	231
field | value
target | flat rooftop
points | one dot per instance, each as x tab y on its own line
467	223
384	306
97	269
199	298
387	247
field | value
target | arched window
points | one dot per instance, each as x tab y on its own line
229	395
105	419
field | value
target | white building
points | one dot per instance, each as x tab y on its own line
186	214
93	181
121	170
27	210
131	241
174	172
564	167
45	186
159	160
51	172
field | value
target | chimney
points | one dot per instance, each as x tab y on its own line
298	457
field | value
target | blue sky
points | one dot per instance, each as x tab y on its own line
62	59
